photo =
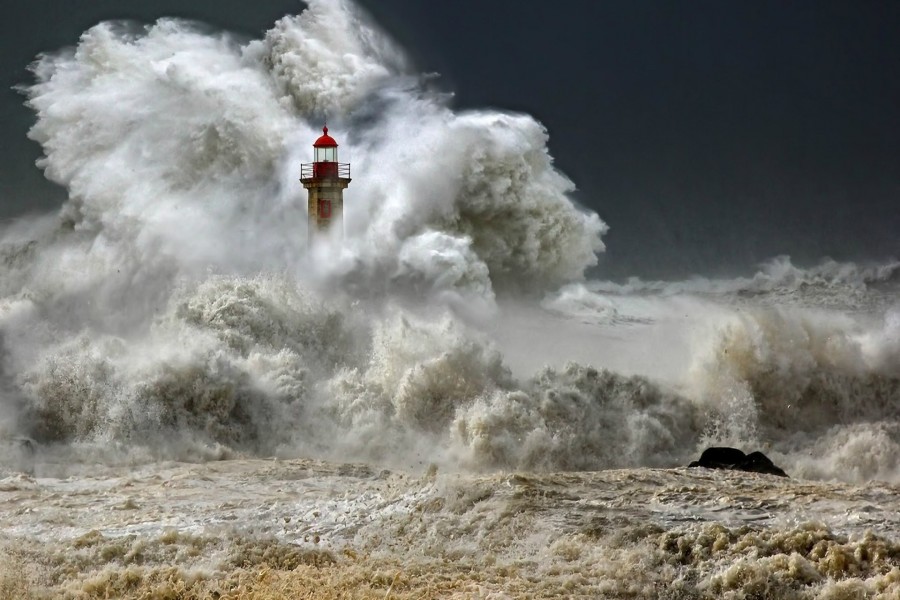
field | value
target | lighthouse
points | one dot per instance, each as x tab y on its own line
325	180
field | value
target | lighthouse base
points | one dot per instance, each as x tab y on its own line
325	206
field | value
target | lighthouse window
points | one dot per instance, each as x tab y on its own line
328	154
324	209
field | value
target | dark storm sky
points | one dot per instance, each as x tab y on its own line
709	135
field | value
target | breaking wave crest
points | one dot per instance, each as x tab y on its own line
182	147
830	284
137	317
819	388
254	365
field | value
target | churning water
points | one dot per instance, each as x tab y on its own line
197	405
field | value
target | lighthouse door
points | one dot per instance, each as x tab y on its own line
324	209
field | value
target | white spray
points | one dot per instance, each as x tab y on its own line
172	308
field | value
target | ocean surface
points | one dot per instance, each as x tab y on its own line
450	402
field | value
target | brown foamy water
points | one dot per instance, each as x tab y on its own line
301	528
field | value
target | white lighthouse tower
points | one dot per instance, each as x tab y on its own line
325	179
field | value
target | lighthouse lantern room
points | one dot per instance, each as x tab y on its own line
325	180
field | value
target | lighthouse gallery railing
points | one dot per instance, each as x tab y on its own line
325	170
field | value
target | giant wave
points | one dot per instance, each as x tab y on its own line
172	308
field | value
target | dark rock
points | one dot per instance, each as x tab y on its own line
757	462
721	458
735	460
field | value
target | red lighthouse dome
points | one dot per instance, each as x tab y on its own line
325	141
325	149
